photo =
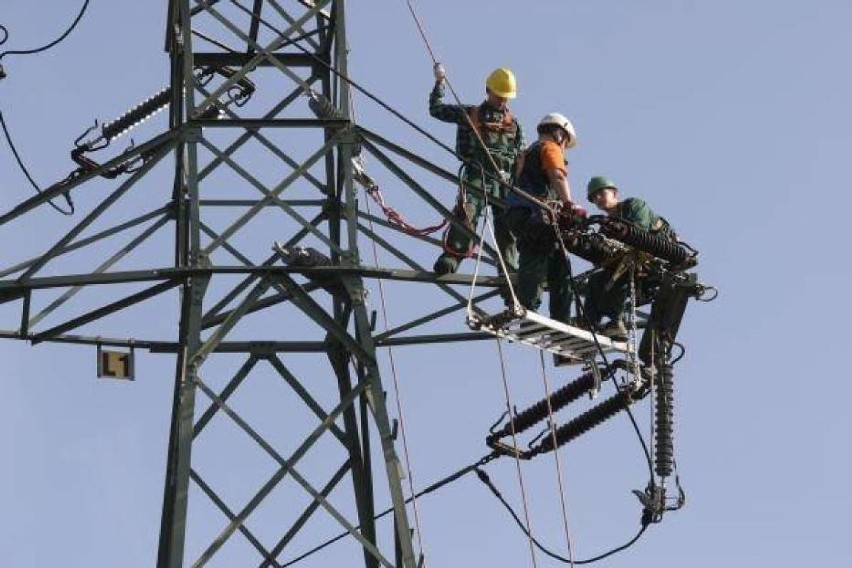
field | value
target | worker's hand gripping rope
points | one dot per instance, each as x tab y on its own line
440	73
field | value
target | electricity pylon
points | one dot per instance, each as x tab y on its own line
260	145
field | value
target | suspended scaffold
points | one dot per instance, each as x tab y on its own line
520	325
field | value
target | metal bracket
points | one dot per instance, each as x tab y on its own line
591	367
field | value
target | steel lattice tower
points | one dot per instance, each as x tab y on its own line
292	57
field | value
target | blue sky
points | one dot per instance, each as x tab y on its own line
730	118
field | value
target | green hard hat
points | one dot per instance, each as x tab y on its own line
598	183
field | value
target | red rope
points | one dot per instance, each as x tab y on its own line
396	219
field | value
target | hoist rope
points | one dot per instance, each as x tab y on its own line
422	31
503	267
398	400
396	389
509	406
469	311
487	223
552	425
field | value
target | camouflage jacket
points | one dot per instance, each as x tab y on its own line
636	211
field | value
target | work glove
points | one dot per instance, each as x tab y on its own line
440	73
571	214
579	212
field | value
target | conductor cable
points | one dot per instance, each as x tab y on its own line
49	45
27	173
483	477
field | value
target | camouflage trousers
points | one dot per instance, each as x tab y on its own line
540	261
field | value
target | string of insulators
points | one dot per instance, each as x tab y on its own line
656	245
323	108
152	105
139	113
585	422
307	257
590	247
664	421
539	411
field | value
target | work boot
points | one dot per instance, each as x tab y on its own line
446	264
615	330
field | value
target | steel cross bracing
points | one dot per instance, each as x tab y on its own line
253	171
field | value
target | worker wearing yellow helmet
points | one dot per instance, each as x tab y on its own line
486	162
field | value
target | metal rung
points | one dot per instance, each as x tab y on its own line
530	328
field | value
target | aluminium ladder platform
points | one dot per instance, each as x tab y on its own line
573	344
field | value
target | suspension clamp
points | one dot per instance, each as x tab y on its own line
653	501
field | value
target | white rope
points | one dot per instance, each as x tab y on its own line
476	267
506	276
559	483
398	400
509	411
476	273
396	389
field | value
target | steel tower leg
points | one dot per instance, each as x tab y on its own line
318	32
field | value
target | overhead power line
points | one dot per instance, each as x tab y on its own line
27	173
46	46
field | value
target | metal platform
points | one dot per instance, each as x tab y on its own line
573	344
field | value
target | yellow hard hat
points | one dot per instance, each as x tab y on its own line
502	83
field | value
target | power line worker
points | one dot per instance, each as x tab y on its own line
544	175
607	292
503	140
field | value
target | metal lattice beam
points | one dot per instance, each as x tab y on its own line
244	163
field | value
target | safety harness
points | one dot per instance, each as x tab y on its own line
499	136
505	126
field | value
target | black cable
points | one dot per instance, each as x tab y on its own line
437	485
488	483
581	313
680	356
2	41
27	173
700	296
49	45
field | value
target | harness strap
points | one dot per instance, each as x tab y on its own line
507	125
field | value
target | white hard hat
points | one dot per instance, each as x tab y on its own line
560	120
